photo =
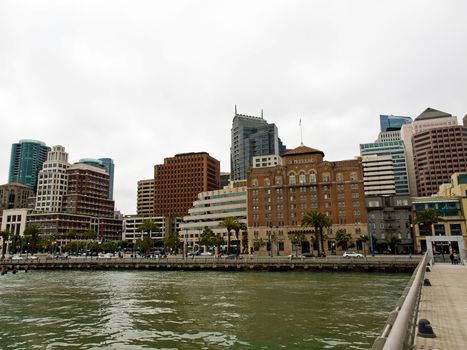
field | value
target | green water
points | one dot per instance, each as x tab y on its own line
194	310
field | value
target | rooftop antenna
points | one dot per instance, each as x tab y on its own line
301	132
261	113
235	109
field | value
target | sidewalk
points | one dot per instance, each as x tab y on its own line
444	304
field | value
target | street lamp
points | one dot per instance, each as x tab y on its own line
371	227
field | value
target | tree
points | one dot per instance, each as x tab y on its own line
172	242
427	218
319	221
5	236
90	234
297	239
144	244
148	226
277	239
343	239
207	238
229	224
392	241
364	239
217	241
33	232
239	226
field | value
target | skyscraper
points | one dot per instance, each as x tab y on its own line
251	136
27	157
110	168
178	181
393	122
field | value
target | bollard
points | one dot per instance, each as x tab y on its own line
425	330
426	282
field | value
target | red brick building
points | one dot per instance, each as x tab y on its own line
178	181
279	196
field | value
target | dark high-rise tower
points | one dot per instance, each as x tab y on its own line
27	157
393	122
251	136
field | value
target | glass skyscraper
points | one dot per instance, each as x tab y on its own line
27	157
393	122
251	136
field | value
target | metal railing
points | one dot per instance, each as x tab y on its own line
399	331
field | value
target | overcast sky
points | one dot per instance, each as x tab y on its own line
138	81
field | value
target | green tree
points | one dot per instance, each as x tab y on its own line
5	235
240	226
217	241
172	242
392	242
229	224
70	234
145	244
32	233
90	234
319	221
207	238
343	239
297	239
148	226
427	218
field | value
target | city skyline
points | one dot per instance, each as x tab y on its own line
165	82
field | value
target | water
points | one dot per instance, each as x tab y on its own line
194	310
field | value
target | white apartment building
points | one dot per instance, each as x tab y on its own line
378	175
145	198
211	208
52	181
132	222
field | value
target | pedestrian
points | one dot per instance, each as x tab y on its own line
456	258
452	257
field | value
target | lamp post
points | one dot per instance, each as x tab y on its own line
370	224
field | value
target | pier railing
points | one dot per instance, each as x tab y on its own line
400	328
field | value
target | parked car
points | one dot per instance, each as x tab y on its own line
206	254
307	255
351	254
104	256
17	257
32	257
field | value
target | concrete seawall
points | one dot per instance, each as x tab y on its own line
333	263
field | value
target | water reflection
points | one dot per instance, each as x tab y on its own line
194	310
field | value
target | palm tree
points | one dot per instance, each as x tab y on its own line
392	241
229	224
343	239
240	226
427	218
34	232
4	235
319	221
148	226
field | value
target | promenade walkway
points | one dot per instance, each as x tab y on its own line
444	304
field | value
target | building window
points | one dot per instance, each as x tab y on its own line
312	178
302	179
339	177
291	179
267	182
278	180
353	176
326	177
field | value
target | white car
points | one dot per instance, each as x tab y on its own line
351	254
17	257
206	254
104	256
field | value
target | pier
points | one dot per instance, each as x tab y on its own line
333	263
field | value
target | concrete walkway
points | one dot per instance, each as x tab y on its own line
444	304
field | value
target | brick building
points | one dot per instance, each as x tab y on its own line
178	181
279	196
14	195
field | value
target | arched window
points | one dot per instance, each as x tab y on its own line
278	180
292	179
302	178
267	182
339	177
254	182
312	178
